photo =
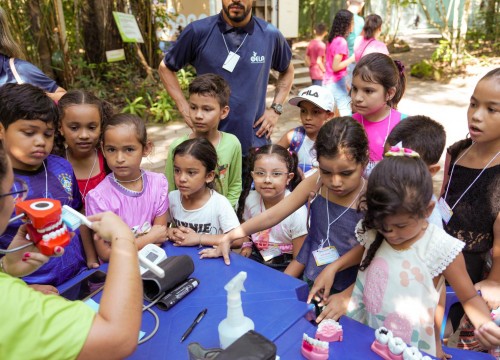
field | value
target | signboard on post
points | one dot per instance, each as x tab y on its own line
127	25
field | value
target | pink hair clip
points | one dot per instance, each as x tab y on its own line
401	151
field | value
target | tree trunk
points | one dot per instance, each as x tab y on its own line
463	31
99	30
43	44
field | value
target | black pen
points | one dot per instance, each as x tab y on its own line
192	326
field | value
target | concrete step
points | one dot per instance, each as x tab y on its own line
302	82
301	70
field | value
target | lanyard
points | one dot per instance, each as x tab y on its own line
477	177
223	38
323	241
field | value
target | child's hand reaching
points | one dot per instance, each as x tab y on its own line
24	262
188	238
490	292
323	284
488	334
222	249
336	305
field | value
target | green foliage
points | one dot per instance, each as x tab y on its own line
443	53
135	107
426	70
161	107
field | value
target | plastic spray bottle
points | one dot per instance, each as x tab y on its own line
235	324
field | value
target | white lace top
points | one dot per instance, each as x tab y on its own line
397	289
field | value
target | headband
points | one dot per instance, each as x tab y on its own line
400	67
401	151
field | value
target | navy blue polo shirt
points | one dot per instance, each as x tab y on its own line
201	44
28	72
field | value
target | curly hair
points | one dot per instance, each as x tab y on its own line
288	157
397	184
341	24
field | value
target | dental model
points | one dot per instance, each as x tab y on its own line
313	349
394	348
45	225
329	330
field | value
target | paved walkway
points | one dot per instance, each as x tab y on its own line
446	103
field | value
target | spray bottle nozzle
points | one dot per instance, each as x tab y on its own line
236	283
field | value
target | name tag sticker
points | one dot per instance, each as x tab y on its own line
231	61
444	210
270	253
326	255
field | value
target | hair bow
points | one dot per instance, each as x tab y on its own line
400	67
401	151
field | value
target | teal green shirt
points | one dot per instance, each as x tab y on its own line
359	23
228	179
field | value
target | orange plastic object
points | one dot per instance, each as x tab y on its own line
44	224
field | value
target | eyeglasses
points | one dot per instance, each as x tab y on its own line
261	175
19	192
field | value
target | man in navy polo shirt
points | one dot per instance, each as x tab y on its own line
242	49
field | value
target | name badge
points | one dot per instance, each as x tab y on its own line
270	253
231	61
326	255
444	210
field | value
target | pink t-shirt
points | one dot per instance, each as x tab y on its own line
378	132
363	47
135	208
337	46
316	49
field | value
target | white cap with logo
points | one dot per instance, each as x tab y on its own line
318	95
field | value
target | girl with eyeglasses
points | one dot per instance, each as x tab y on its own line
332	194
274	173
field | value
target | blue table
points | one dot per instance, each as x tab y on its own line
274	301
355	345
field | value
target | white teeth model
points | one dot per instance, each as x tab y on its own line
426	357
412	353
45	238
328	323
383	335
396	345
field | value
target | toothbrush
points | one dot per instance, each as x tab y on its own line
73	219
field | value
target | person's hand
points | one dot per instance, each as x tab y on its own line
440	354
246	252
92	264
336	306
26	261
222	249
45	289
488	334
490	291
109	226
158	234
178	235
320	291
189	237
267	123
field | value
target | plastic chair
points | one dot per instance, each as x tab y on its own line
451	298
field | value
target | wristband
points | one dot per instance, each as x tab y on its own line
1	266
247	244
